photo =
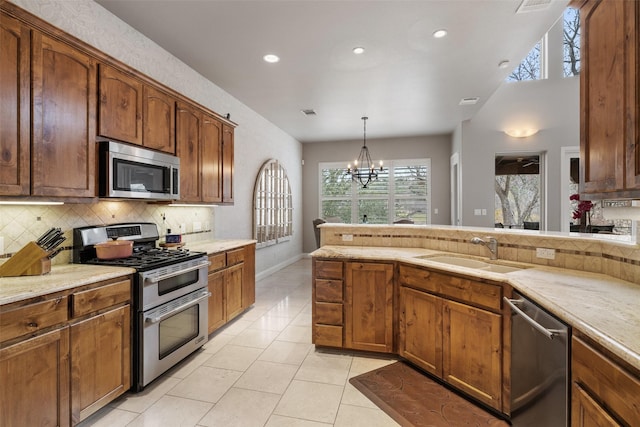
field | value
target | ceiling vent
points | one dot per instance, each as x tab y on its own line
309	112
533	5
469	101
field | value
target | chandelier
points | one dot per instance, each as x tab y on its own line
363	168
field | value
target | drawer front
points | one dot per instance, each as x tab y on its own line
328	290
86	302
328	335
417	278
470	291
329	269
218	261
235	256
32	318
328	313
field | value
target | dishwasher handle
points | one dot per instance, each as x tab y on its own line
549	333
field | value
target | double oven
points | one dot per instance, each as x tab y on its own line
170	295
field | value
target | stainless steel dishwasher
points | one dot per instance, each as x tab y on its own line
539	363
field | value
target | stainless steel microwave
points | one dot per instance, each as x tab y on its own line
131	172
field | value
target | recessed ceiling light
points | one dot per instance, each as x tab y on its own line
271	58
440	33
503	64
358	50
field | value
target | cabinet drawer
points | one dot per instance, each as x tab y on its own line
328	335
329	269
86	302
600	378
470	291
235	256
32	318
217	261
328	313
417	278
328	290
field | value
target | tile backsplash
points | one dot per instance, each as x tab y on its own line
20	224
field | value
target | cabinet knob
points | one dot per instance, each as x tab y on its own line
32	324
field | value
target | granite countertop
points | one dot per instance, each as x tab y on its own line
214	246
603	308
68	276
61	278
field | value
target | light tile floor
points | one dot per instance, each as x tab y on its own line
260	370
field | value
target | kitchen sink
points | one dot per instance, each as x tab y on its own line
472	263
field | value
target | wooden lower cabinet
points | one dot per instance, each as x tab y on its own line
420	327
603	393
231	283
327	326
100	361
472	351
369	306
34	385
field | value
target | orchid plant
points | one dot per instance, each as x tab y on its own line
582	208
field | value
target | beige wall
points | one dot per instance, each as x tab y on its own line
435	147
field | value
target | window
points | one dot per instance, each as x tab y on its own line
272	205
402	191
571	42
518	189
531	67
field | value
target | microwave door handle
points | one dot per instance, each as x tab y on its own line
160	318
549	333
156	279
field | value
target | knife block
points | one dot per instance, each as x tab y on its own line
31	260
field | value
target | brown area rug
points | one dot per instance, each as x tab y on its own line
413	399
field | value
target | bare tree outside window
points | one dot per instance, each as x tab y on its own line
517	189
571	43
529	68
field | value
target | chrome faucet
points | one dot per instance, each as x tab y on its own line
492	244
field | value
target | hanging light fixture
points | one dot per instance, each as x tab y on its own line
363	168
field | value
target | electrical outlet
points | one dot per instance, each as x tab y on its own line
347	237
546	253
1	245
477	212
435	211
183	228
484	212
197	226
207	225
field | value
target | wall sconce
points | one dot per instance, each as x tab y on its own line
521	133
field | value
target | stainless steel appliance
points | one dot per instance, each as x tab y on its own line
131	172
170	307
539	362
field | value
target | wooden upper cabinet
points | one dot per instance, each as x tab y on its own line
120	109
188	121
610	98
15	108
64	119
227	164
211	159
159	113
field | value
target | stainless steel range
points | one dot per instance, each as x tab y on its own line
169	295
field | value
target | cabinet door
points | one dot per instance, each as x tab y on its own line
233	290
369	306
120	109
586	412
421	329
472	352
100	361
188	121
64	116
249	276
610	128
34	390
211	159
217	309
227	164
159	117
15	108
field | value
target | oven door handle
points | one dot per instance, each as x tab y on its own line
160	318
156	279
549	333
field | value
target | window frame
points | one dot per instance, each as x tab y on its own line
355	197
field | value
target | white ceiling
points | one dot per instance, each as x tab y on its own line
407	82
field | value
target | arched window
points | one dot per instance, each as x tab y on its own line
272	205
